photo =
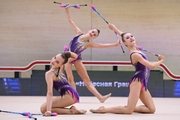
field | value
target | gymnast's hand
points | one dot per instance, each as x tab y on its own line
68	6
118	43
161	57
47	113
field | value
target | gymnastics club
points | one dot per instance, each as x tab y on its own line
20	113
52	114
72	5
93	7
32	115
142	49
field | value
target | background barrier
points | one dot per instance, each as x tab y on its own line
115	82
86	63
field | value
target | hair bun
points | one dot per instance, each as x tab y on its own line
66	56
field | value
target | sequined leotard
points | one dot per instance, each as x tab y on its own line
77	46
62	86
141	72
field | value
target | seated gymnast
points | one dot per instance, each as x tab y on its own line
139	82
57	80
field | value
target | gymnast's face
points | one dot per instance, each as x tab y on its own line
57	61
93	33
129	39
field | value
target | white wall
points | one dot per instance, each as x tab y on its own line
38	29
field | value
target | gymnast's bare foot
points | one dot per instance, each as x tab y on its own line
99	110
74	110
104	98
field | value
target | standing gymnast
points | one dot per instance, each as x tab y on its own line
138	83
57	80
78	44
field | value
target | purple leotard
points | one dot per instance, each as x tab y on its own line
62	86
77	47
142	72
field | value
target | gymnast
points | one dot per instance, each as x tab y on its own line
138	84
57	80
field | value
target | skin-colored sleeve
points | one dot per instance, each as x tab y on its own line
73	25
151	65
100	45
115	29
49	95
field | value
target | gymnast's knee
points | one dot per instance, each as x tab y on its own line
152	110
43	109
